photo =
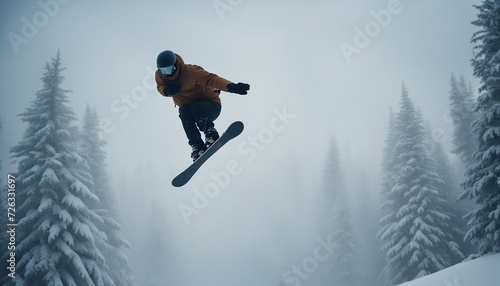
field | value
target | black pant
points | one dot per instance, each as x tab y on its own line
198	116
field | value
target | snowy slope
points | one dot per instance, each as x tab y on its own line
484	271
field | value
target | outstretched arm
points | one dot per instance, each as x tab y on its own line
206	78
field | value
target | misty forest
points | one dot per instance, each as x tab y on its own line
257	213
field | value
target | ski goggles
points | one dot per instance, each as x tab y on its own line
167	70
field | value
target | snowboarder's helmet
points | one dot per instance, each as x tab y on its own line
165	59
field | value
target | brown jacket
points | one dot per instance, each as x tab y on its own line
196	83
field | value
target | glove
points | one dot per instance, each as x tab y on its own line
171	90
239	88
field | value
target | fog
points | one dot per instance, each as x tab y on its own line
306	89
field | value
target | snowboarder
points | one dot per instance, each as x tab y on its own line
196	92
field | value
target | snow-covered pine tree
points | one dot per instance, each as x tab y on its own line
415	229
483	177
388	161
333	179
449	189
463	115
57	232
366	218
389	173
343	264
344	268
91	147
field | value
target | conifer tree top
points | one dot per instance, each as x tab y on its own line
48	112
487	50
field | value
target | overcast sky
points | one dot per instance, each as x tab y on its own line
334	68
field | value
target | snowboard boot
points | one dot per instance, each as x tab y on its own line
207	126
211	135
198	148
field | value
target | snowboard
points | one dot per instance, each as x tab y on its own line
232	131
